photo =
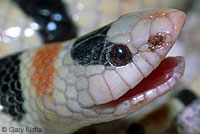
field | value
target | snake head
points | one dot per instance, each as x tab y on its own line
130	70
126	51
119	68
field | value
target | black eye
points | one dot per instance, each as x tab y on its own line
120	55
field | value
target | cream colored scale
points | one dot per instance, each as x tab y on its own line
17	31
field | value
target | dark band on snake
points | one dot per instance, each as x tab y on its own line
11	97
186	96
54	22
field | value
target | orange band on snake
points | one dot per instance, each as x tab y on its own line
45	71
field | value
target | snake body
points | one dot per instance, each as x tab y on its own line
61	87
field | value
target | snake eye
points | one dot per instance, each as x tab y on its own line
119	55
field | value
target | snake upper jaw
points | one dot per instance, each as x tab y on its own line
157	84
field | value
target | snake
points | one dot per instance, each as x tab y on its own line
101	76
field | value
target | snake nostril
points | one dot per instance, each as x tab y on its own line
156	41
119	55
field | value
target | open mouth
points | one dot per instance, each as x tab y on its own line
160	81
149	74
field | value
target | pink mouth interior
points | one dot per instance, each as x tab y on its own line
158	77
